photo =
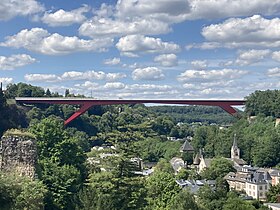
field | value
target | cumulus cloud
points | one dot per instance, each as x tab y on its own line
167	60
15	61
254	31
98	27
6	80
113	61
93	75
41	41
145	17
276	55
210	75
199	64
248	57
139	43
12	8
212	9
114	85
41	78
148	73
274	72
75	75
65	18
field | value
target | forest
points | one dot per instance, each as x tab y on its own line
67	180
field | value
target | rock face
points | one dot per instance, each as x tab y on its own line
18	154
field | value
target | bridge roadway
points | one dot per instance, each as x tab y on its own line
86	103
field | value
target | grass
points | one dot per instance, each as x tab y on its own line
17	132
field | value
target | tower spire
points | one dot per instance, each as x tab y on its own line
235	151
234	141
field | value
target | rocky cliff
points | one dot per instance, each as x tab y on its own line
18	153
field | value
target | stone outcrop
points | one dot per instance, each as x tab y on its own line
18	153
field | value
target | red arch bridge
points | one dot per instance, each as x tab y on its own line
86	103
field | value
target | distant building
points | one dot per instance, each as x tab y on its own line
275	175
253	181
235	151
194	185
177	164
235	154
186	147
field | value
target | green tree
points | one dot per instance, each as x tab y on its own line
21	193
219	167
184	200
161	190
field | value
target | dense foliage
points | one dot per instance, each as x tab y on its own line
74	175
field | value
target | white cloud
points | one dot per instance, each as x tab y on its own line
65	18
139	43
254	31
40	40
145	17
199	64
92	75
6	80
99	27
113	61
274	72
41	78
212	9
74	75
210	75
12	8
88	85
248	57
14	61
148	73
168	11
114	85
167	60
276	56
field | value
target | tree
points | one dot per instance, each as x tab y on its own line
183	174
161	190
272	193
184	200
236	203
61	160
219	167
21	193
67	93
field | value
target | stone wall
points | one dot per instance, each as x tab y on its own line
18	154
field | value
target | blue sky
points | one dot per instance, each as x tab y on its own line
186	49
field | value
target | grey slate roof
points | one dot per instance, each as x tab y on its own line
186	147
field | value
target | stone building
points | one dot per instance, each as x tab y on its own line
18	153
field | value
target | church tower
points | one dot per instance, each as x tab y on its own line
235	151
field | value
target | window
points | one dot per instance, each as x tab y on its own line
261	187
254	194
253	187
249	186
261	194
265	187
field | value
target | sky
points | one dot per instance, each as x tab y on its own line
156	49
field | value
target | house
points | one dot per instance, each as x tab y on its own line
177	164
253	181
194	185
275	175
204	164
186	147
